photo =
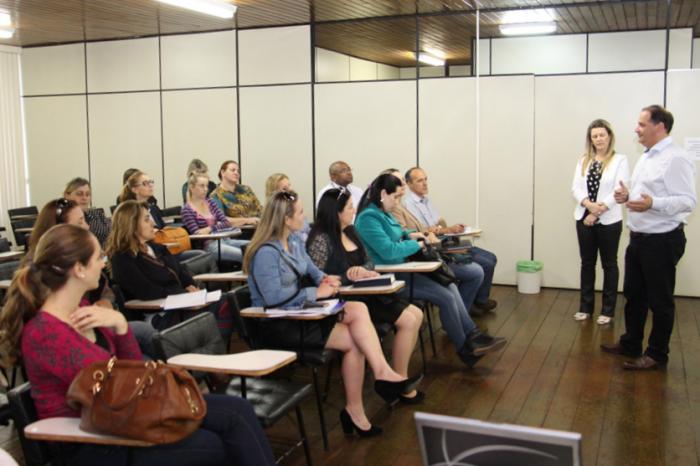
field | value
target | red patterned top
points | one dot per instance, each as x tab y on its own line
54	352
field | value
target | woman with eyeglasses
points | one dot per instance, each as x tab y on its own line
281	275
335	248
201	216
139	187
388	243
236	200
79	190
43	323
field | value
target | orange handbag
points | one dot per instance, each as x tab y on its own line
176	239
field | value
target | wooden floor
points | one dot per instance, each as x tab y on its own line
551	374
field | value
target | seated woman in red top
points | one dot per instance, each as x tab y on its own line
43	323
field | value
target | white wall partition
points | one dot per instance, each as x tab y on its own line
57	140
564	108
275	55
124	133
276	137
371	126
540	55
448	145
634	50
123	65
684	101
54	70
199	60
196	124
506	170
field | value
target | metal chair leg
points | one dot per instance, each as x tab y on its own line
430	327
319	406
422	351
302	433
327	387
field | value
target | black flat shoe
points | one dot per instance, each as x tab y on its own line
415	400
349	427
391	391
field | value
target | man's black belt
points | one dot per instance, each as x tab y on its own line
634	234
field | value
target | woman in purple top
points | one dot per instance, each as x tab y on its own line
201	216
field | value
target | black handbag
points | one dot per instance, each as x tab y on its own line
443	274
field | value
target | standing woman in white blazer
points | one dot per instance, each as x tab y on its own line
598	217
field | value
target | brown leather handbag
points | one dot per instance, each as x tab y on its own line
143	400
176	239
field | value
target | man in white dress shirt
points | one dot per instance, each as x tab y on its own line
660	198
341	178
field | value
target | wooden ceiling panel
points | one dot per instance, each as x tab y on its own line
351	27
388	41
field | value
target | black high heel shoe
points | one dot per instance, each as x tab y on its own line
349	426
391	391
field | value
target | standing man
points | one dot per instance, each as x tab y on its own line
417	202
658	201
341	178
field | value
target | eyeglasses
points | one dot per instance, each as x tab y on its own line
61	205
148	183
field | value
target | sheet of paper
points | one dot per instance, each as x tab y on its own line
213	296
185	300
692	147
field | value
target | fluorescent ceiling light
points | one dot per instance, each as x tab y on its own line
429	59
527	16
434	52
216	8
6	33
5	18
527	28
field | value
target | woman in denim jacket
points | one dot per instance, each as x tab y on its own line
275	263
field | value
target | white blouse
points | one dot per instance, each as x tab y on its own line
617	170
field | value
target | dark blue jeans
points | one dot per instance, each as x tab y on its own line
229	435
487	260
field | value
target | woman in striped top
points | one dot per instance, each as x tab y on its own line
201	216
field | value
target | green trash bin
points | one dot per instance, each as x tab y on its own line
529	276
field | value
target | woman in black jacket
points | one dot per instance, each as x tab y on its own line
335	248
142	269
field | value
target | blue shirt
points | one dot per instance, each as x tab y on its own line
422	209
271	271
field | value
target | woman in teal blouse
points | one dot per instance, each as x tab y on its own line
388	243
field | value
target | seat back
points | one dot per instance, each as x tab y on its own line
31	210
20	236
202	263
199	334
171	211
239	299
23	413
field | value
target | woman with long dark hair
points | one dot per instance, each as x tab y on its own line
387	242
336	248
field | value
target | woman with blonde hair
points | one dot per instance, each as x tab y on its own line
281	275
276	182
598	217
199	167
201	216
79	190
43	324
